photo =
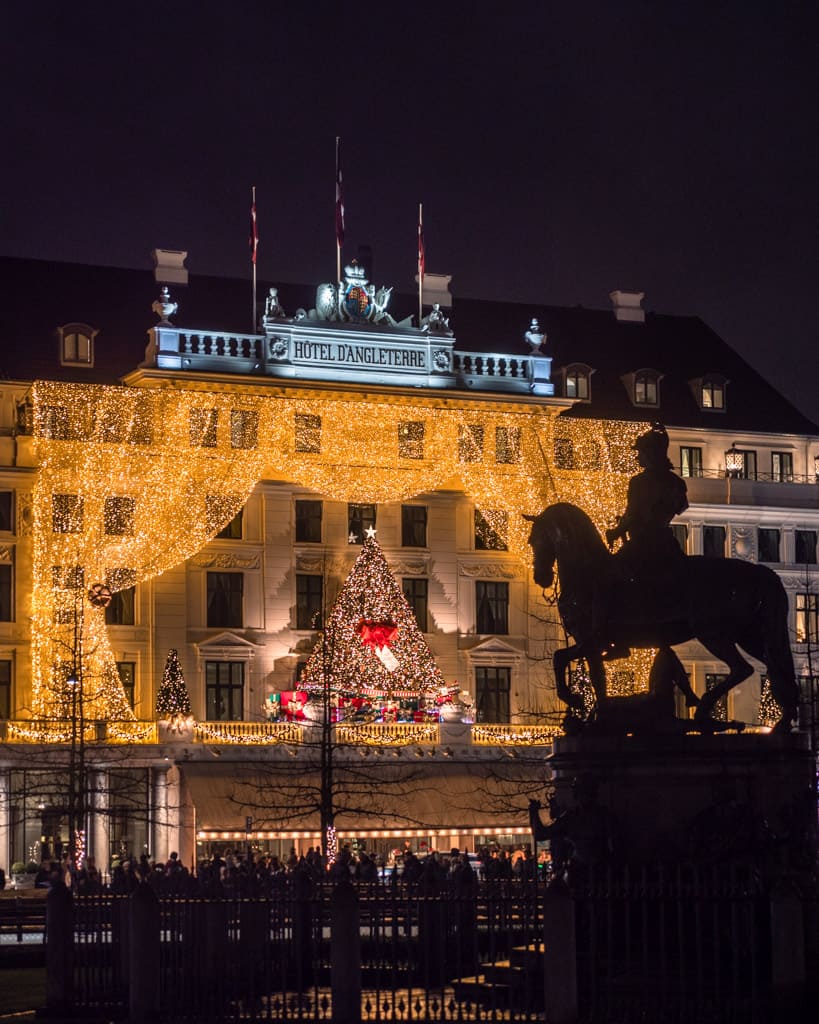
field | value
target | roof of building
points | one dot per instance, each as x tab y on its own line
42	297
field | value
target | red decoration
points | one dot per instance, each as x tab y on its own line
377	634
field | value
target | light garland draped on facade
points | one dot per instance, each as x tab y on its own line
133	481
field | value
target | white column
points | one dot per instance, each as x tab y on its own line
160	814
5	824
99	825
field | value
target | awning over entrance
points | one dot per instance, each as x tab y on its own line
440	798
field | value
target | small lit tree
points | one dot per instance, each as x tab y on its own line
173	697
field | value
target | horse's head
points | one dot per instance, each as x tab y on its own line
561	533
543	548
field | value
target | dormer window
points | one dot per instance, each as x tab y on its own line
710	392
577	382
77	345
646	385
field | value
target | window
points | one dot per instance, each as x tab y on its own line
217	509
492	686
712	394
308	433
491	530
491	607
713	541
808	704
224	599
359	519
233	530
54	422
416	591
308	521
507	444
413	526
470	442
122	609
805	547
411	439
66	513
6	512
680	531
224	690
564	453
67	577
577	383
127	676
712	679
767	544
748	469
77	345
244	428
5	689
690	461
308	601
202	427
782	467
119	516
646	389
6	592
807	618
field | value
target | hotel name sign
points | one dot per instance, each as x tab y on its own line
362	354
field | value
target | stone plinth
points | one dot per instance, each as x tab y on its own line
685	796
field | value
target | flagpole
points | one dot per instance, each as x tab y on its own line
339	210
254	243
420	262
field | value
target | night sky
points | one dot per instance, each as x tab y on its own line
560	150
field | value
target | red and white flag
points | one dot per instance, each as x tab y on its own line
254	231
339	197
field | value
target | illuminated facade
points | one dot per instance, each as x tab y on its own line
220	486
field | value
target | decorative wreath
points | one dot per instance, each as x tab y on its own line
99	595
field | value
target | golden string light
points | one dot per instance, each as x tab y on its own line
133	481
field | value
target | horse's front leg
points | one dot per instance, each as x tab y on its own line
561	661
597	676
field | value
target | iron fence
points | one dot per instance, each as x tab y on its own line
675	944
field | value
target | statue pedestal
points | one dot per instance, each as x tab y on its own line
746	796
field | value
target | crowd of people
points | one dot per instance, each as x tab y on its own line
254	873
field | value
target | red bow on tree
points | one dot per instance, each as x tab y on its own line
377	634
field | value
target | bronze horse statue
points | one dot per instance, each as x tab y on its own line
722	602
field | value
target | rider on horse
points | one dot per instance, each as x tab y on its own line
650	552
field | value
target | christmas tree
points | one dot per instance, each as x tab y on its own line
372	645
173	697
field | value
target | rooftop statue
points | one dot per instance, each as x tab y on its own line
649	594
272	307
435	322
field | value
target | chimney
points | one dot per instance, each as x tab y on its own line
627	306
436	289
169	266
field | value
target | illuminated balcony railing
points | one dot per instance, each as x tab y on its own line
388	734
487	735
365	734
248	733
62	730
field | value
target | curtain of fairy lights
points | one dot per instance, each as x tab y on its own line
132	481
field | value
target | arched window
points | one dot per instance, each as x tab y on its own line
77	345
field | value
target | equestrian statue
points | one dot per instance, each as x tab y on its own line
650	594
